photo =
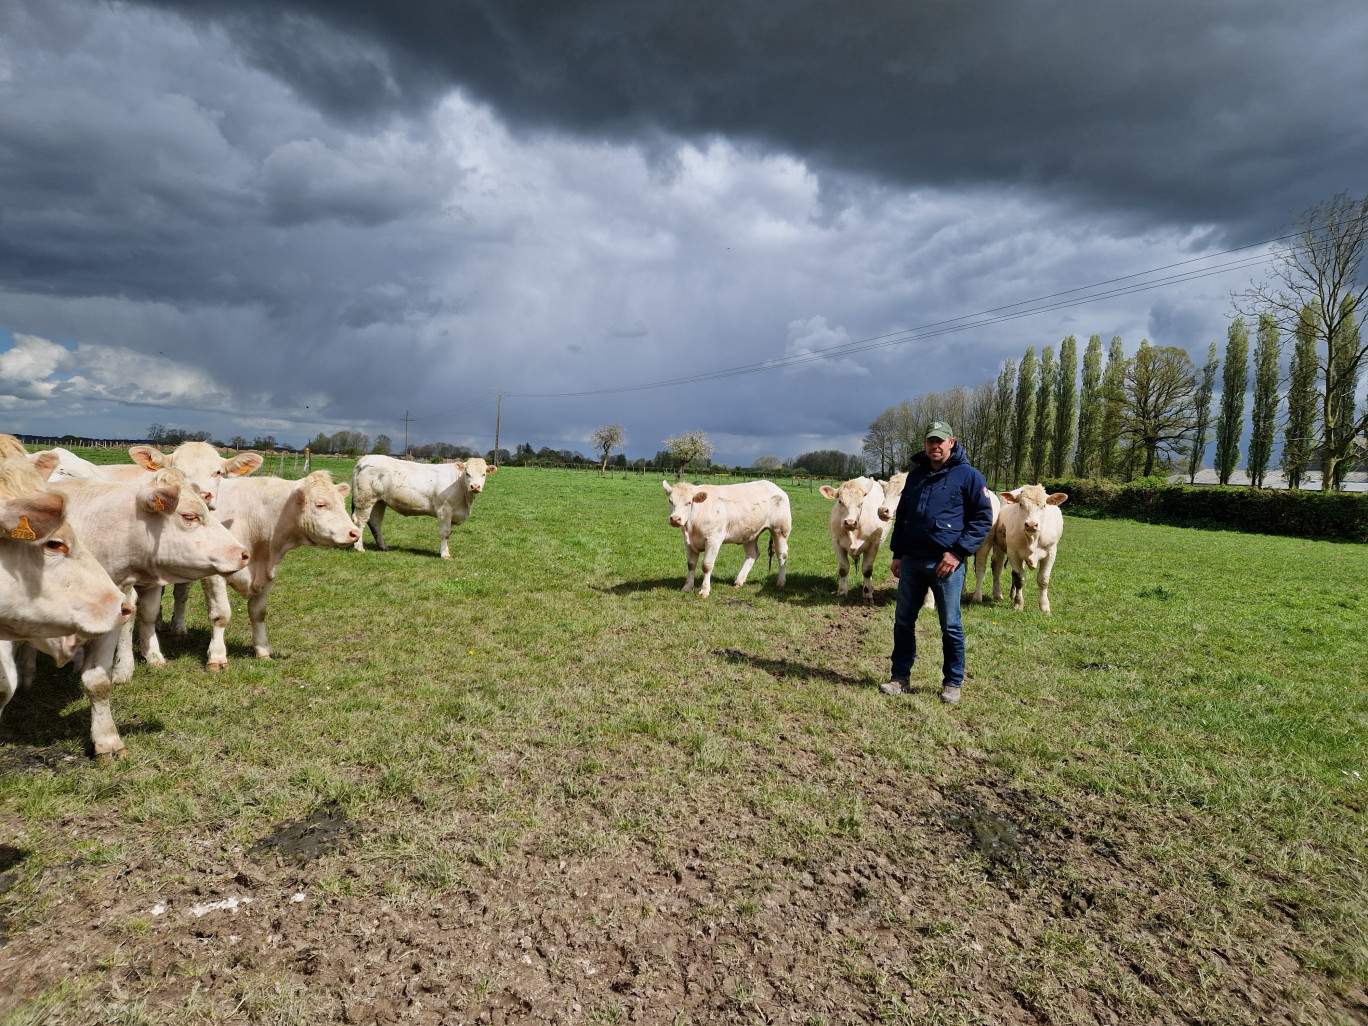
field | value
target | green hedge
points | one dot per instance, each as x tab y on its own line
1340	516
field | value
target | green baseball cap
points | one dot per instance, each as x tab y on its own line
939	429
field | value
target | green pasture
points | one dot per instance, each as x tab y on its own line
1194	706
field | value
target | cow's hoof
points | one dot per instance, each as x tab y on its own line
446	555
179	632
264	653
118	753
155	659
216	667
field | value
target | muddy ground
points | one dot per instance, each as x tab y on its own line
951	904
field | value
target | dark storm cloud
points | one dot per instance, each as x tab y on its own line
1170	110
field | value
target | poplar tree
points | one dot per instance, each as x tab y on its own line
1066	407
1231	418
1264	415
1089	410
1299	432
1203	413
1113	410
1044	414
1001	443
1337	445
1023	419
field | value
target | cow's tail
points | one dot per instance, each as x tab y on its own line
771	547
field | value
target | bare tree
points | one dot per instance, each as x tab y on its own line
767	463
1320	270
1160	386
690	447
605	439
881	444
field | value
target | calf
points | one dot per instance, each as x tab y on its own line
713	514
1027	535
157	531
443	490
269	516
857	528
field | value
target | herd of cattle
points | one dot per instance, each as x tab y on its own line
82	547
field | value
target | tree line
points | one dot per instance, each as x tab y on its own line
1119	417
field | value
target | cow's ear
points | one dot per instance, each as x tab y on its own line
490	470
1007	497
243	464
1058	498
147	457
45	463
700	497
458	465
666	485
31	517
828	491
159	499
343	489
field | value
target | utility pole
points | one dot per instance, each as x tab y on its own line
406	420
498	416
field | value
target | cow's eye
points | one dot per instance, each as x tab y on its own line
191	518
320	505
55	545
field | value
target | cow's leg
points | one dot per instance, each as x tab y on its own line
842	568
97	683
360	516
690	558
181	593
752	549
26	658
9	673
375	519
980	568
999	555
123	660
1018	580
220	615
149	610
256	609
710	551
1043	579
870	554
780	543
444	532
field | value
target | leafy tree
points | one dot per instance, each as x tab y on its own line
1023	419
496	456
1318	279
1113	410
1160	384
1065	406
606	438
1000	434
384	445
1043	432
1089	411
1264	415
266	442
1202	413
830	463
1231	419
767	463
688	448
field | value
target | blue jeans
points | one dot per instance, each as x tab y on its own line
917	576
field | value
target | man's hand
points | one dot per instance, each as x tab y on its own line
897	567
946	566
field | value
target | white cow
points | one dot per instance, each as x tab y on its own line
983	555
269	516
153	532
200	462
71	467
857	529
51	584
892	489
1027	535
441	490
736	514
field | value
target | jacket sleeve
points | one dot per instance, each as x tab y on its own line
978	516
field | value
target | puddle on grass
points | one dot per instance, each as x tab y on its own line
995	837
323	832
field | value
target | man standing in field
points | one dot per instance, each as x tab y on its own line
944	515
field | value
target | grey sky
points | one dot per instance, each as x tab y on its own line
293	217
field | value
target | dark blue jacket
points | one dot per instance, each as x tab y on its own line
946	510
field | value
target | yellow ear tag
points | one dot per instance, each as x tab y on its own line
157	504
23	532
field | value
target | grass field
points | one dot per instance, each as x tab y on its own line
546	785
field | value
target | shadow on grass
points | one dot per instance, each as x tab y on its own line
53	711
790	669
799	589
